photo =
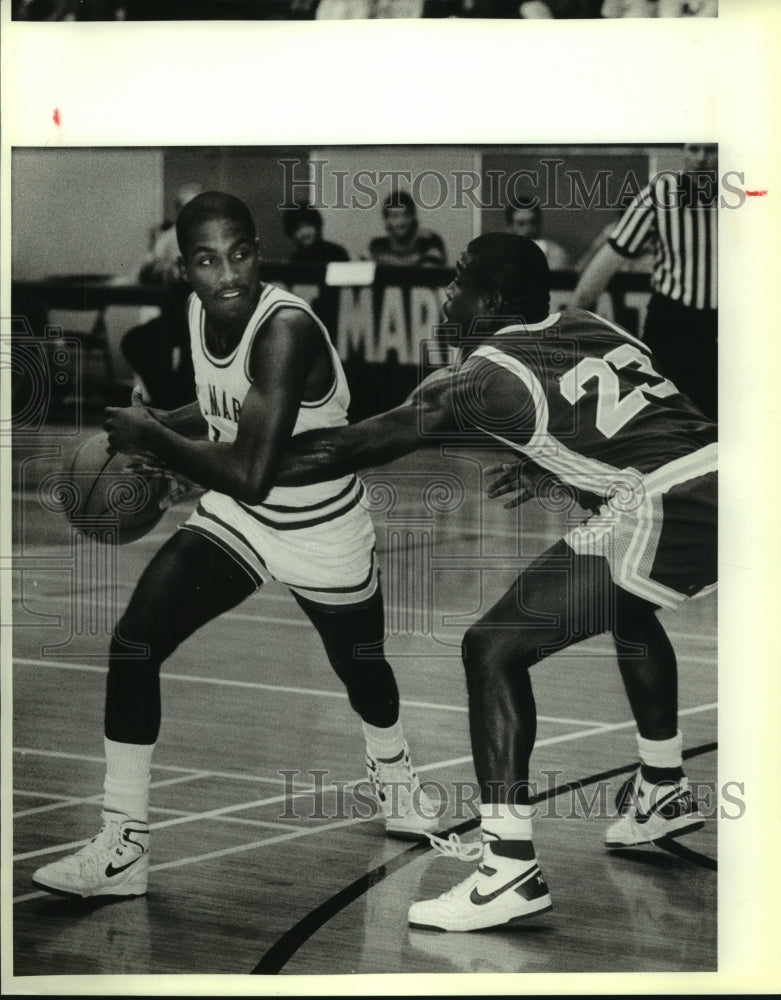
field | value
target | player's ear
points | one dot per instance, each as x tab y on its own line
493	300
257	248
182	269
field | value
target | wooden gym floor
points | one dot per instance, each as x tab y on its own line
260	864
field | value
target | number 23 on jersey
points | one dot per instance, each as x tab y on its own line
613	412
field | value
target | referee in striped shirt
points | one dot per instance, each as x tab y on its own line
676	214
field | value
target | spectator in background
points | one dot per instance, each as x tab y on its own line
471	8
660	8
304	226
677	213
328	10
559	9
405	242
524	218
337	10
45	10
159	351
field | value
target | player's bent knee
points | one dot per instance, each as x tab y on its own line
487	651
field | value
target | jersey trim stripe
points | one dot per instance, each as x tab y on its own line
690	466
533	386
600	319
293	304
201	314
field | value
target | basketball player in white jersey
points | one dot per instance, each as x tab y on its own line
265	370
584	406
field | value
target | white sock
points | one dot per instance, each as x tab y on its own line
506	820
384	744
128	775
661	753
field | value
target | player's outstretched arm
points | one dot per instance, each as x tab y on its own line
283	355
327	454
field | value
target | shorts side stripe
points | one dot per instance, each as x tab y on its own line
341	595
231	541
343	590
633	571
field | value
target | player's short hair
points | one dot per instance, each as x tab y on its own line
301	215
211	205
517	204
515	267
399	199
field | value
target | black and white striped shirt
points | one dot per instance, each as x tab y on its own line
682	228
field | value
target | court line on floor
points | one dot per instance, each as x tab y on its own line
704	637
52	806
294	834
279	688
238	807
192	818
235	820
95	759
285	947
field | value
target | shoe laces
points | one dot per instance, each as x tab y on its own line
398	771
102	841
454	847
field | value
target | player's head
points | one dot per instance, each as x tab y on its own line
700	157
220	255
303	225
524	217
499	276
207	207
400	215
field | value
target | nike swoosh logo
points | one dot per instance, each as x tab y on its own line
657	806
111	870
479	900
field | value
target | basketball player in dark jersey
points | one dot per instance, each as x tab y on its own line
579	404
265	370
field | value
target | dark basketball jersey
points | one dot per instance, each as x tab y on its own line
600	405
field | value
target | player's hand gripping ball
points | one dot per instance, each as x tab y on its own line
103	491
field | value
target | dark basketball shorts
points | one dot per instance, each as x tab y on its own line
664	546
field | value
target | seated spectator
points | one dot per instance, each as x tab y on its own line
524	218
330	10
337	10
405	242
304	225
159	351
660	8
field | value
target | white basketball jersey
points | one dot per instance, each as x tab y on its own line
223	383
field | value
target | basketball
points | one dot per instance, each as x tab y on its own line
96	490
